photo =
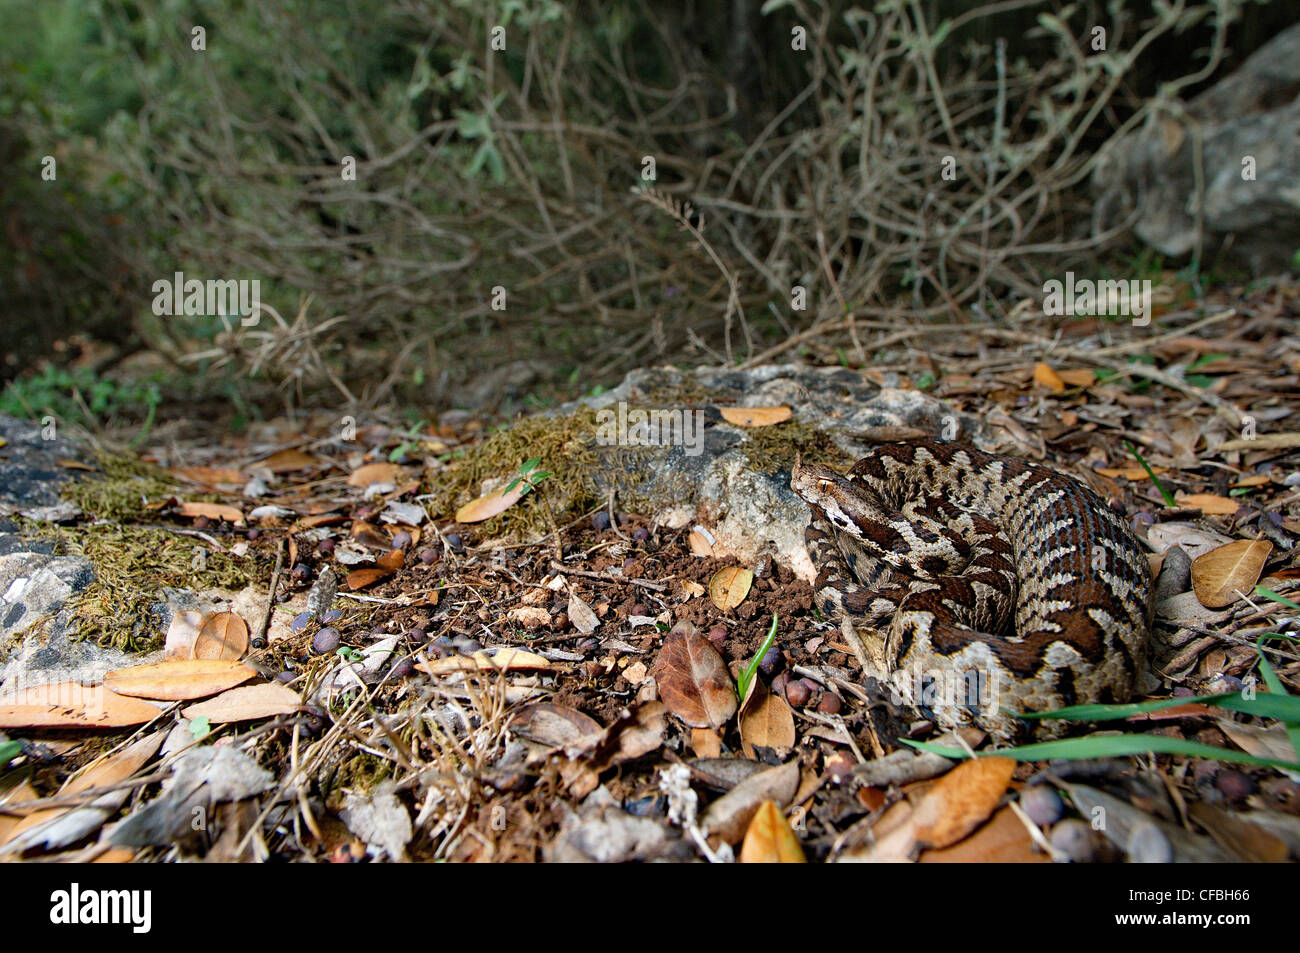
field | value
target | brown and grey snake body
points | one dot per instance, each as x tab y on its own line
1004	586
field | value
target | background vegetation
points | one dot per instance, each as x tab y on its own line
479	169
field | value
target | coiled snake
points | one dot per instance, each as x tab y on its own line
1010	586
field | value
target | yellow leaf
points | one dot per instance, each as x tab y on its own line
769	839
493	504
729	586
1044	376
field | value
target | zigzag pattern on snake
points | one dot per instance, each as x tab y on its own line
1011	582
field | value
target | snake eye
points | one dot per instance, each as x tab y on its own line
823	486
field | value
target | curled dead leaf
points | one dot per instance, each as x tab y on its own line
1217	576
961	801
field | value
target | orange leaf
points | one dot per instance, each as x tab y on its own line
755	416
1044	376
210	476
1209	503
767	724
1218	575
213	511
1078	377
376	473
71	705
486	507
360	578
286	461
961	801
1003	840
224	635
247	703
693	680
769	839
178	681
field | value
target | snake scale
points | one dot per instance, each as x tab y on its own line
1001	586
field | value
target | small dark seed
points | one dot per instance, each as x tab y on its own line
402	540
771	661
300	622
428	556
417	635
330	616
717	635
641	534
1074	839
403	669
829	704
325	547
301	572
286	676
455	542
600	521
253	534
326	641
797	693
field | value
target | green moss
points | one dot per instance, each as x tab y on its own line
769	449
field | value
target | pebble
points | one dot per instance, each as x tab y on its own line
1043	805
1075	839
1147	844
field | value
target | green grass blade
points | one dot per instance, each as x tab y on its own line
1110	746
1263	705
1168	497
10	750
1275	597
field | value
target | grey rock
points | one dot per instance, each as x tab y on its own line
30	473
1254	114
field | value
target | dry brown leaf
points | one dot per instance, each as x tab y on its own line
1218	575
530	617
693	680
286	461
1264	441
769	839
505	660
71	705
1258	479
729	586
1248	842
1130	473
767	723
178	680
360	578
728	817
493	504
706	743
247	703
223	635
580	614
212	511
558	726
755	416
1003	840
961	800
1044	376
210	476
1209	503
382	472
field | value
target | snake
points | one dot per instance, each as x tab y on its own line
1000	587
